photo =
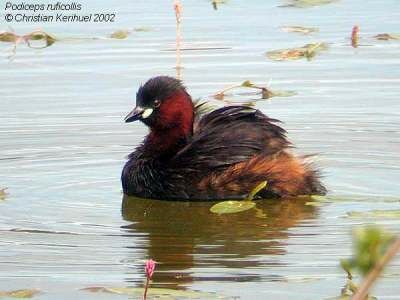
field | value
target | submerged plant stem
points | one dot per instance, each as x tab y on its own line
146	287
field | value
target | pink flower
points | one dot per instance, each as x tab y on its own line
149	268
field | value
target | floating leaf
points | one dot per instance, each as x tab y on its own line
285	54
3	193
307	3
9	37
231	207
119	34
39	36
375	214
24	293
155	292
312	203
299	29
142	29
387	36
307	51
247	83
267	93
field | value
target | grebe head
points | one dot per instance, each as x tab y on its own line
163	103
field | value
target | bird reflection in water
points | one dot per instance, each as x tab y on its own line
190	243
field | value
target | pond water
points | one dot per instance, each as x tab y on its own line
64	225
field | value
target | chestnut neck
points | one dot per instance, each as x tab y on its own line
172	128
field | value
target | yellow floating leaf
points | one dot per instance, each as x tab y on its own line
119	34
9	37
387	36
299	29
312	203
247	83
231	207
39	35
269	94
155	292
307	51
3	193
142	29
23	293
307	3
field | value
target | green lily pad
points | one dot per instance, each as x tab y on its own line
153	292
231	207
23	293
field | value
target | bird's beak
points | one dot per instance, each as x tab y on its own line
135	114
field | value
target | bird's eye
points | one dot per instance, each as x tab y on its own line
157	103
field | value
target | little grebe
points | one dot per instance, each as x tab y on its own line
222	155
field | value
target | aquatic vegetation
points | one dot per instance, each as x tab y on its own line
120	34
373	248
256	190
232	206
387	36
265	92
124	33
215	3
354	36
37	40
23	293
149	269
142	29
307	3
38	35
163	293
307	51
3	193
300	29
